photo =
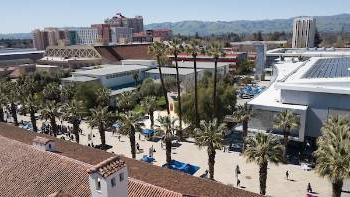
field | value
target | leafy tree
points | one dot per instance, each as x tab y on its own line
215	50
87	94
51	111
129	127
333	153
149	103
210	134
150	88
262	149
68	92
245	68
286	121
157	50
102	119
318	40
126	101
73	112
103	96
52	92
13	94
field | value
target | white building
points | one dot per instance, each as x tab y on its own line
114	76
304	30
314	90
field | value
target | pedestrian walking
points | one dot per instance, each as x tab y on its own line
238	171
287	175
238	183
119	138
309	188
138	146
139	136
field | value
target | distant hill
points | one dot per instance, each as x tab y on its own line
16	36
324	24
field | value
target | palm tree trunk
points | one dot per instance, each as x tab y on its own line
263	178
179	132
132	143
76	132
214	89
195	92
14	113
2	114
337	188
245	128
285	142
102	135
163	86
151	116
33	120
211	161
54	126
168	147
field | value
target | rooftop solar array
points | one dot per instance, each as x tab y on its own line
329	68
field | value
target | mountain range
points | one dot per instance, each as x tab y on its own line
333	23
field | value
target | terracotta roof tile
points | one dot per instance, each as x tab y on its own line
164	178
42	140
108	166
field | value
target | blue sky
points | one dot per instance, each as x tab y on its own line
25	15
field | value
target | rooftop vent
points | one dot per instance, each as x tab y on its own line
44	144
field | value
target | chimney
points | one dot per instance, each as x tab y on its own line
44	144
109	178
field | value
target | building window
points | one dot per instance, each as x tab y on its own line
98	184
50	146
121	177
113	183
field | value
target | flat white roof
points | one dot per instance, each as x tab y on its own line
200	65
79	79
5	52
172	71
111	69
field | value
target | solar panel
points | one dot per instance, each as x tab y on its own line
329	68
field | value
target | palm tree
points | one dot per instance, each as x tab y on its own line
157	50
194	49
149	103
333	153
73	112
103	97
262	149
51	112
165	122
31	103
13	94
129	127
52	92
126	101
286	121
242	115
174	48
3	100
215	50
210	134
102	119
67	92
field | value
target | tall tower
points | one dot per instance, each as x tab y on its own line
304	30
38	40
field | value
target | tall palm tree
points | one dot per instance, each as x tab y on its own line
129	127
149	103
333	153
157	50
103	97
215	50
126	101
3	100
165	122
210	134
174	48
31	104
13	94
73	112
286	121
194	49
51	112
102	119
242	115
262	149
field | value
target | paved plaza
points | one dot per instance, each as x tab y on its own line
225	165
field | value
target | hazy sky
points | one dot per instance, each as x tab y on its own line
25	15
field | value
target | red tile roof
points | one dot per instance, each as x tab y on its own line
161	177
42	140
108	166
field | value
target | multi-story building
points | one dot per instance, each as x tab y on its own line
85	35
121	35
104	32
119	20
38	41
304	30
